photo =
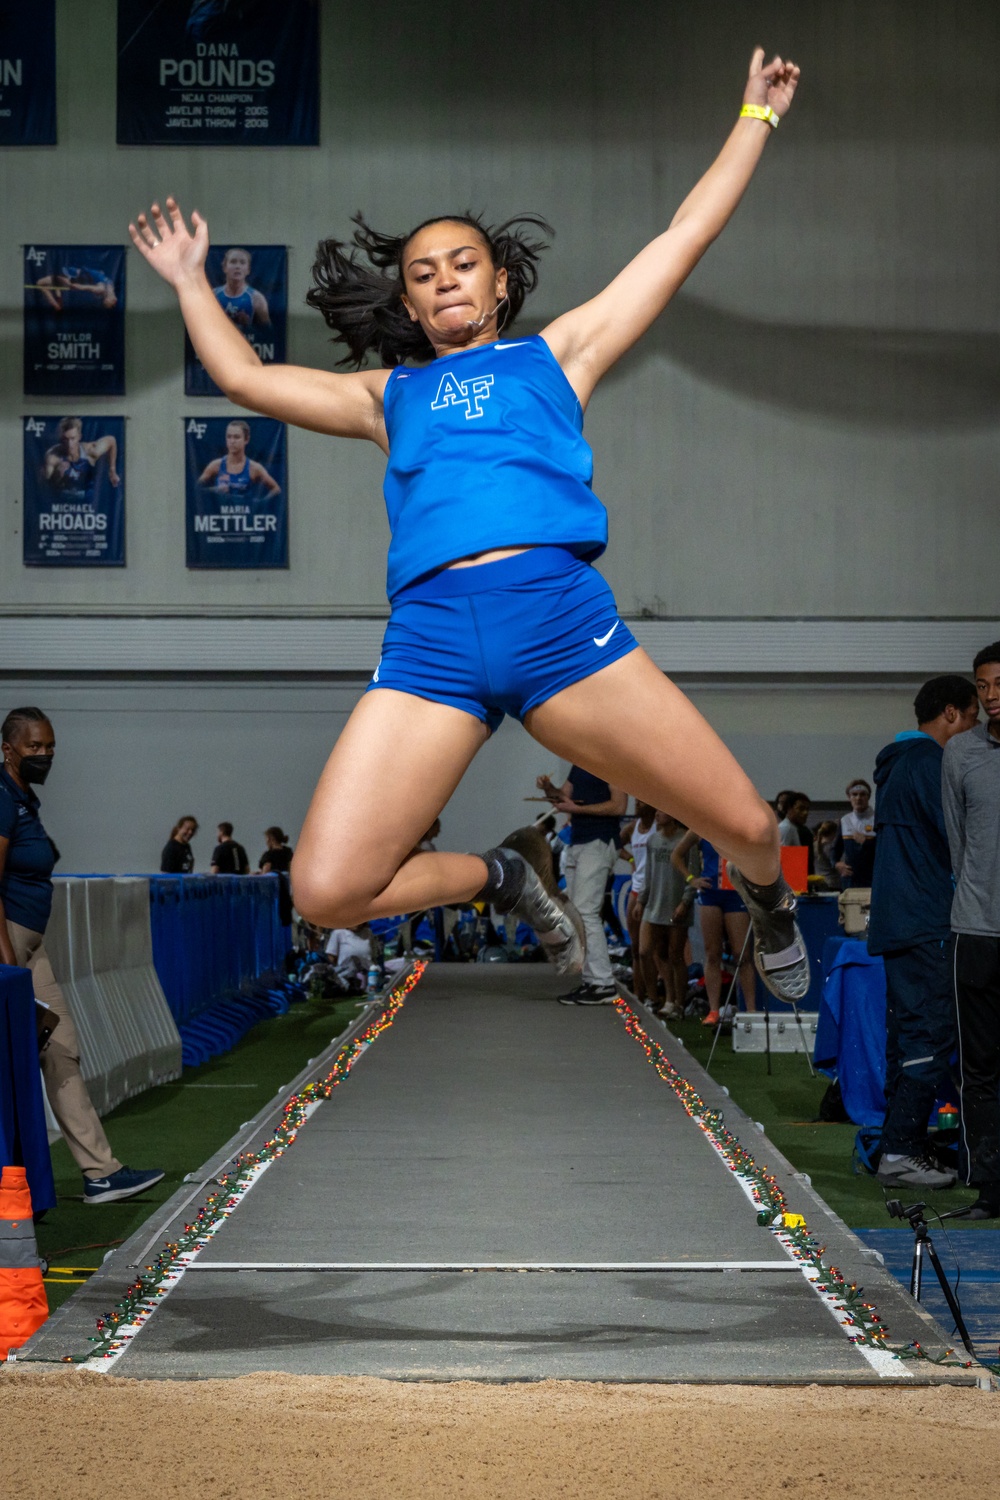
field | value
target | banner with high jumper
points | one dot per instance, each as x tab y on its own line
218	73
74	492
237	492
28	74
74	320
251	285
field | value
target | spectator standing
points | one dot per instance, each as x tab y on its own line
723	916
595	813
910	926
228	856
857	830
277	860
666	916
177	857
635	837
792	830
27	859
971	789
825	844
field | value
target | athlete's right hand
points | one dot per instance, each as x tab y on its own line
169	245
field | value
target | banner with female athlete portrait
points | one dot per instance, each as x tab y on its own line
237	492
28	74
74	320
74	492
218	73
251	285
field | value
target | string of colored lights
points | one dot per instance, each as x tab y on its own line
861	1321
117	1328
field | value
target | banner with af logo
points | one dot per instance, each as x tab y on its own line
74	320
218	73
74	492
251	285
28	74
237	493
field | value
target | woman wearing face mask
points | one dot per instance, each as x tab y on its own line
27	859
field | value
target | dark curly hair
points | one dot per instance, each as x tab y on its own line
361	298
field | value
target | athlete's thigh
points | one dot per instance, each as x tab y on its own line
630	725
398	760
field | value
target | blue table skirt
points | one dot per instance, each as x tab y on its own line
850	1030
23	1135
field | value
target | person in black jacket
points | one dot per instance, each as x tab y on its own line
178	856
910	926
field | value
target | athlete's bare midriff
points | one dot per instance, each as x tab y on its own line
485	557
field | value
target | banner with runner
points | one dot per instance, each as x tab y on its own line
218	73
237	492
74	320
28	74
74	492
251	284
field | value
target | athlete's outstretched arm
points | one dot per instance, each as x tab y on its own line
344	405
591	338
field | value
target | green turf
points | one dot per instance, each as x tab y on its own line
787	1105
178	1126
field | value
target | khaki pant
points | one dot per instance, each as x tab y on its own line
60	1059
586	868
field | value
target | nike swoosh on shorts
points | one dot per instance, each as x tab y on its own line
604	639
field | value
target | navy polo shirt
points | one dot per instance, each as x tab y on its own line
585	827
26	882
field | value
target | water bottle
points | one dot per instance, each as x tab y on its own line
374	978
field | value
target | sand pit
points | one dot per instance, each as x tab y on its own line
305	1438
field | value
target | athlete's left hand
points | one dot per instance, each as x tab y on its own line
114	477
773	85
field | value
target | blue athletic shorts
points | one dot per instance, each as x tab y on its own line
501	637
728	900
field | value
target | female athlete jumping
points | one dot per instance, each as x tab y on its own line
495	607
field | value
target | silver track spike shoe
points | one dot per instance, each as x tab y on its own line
779	950
557	925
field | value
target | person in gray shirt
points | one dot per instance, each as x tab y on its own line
971	796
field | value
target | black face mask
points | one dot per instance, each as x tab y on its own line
34	768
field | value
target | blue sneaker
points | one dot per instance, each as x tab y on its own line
124	1183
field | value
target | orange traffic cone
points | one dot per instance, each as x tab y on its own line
23	1305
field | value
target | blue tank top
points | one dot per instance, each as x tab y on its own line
486	449
233	305
237	485
709	862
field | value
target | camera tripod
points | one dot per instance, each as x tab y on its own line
924	1245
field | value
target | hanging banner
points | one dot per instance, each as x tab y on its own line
237	493
218	73
74	320
74	492
251	284
28	74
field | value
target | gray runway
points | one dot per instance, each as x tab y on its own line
490	1124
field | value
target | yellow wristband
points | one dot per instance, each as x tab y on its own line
760	112
688	879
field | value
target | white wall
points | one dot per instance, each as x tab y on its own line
132	758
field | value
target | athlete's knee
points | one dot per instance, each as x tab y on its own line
335	895
755	826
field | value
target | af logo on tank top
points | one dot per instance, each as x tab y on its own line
468	393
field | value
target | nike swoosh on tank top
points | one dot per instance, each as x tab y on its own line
486	451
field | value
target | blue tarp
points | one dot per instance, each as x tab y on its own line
23	1135
850	1031
219	951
